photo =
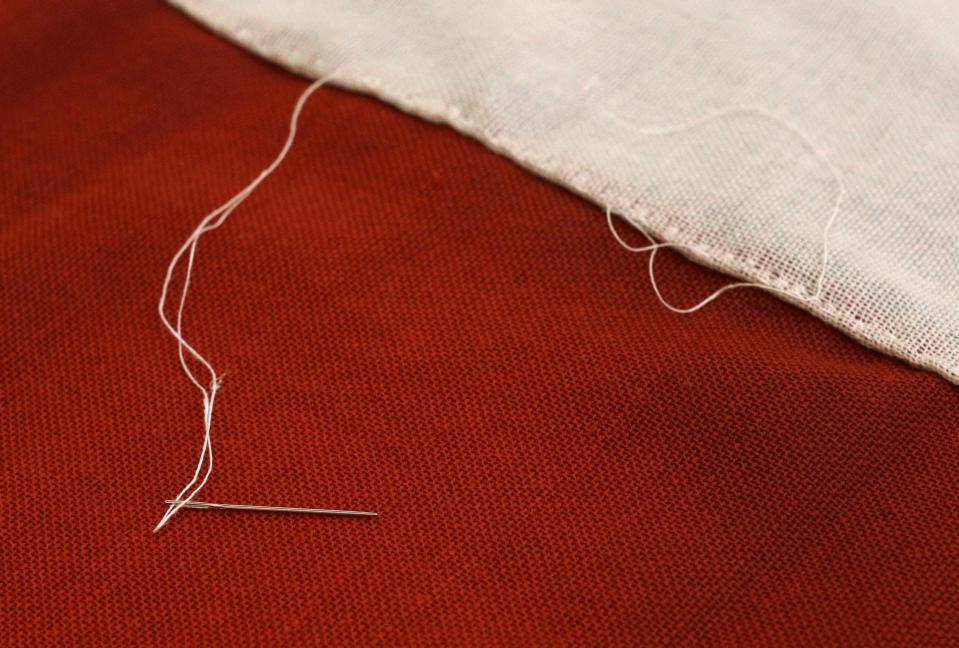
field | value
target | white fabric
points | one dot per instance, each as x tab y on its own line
701	119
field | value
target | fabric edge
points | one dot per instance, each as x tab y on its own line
560	172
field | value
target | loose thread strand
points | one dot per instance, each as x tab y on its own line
654	246
185	350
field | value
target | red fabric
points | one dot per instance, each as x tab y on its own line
413	325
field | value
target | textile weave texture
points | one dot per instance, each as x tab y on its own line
557	460
723	125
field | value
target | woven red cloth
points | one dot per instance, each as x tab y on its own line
413	325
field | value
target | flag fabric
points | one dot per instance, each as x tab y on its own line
413	324
752	133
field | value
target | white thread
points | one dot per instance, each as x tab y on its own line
212	221
217	217
654	247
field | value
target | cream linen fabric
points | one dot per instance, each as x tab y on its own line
697	118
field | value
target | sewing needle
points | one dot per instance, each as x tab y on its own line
279	509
